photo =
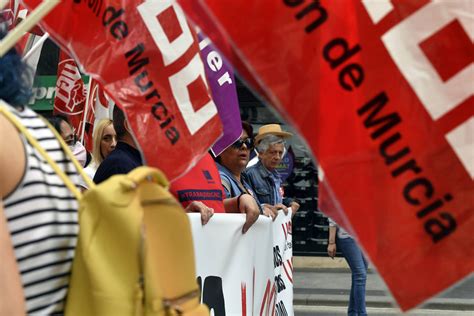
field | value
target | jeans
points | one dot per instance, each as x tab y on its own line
358	264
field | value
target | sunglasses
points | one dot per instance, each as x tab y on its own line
248	143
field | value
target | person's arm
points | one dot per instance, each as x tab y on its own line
332	241
294	207
244	203
271	210
199	207
12	164
12	301
291	203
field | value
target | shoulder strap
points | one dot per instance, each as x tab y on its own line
14	120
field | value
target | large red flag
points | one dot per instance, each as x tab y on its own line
383	93
146	56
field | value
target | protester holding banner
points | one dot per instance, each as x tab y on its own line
232	162
263	176
240	196
38	213
357	262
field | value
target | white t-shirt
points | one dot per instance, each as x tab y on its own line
90	172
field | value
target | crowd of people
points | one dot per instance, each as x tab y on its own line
40	214
39	225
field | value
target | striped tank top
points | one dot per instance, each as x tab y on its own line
42	218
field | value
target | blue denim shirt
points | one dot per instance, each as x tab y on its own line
231	185
266	184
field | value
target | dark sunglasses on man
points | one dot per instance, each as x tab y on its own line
248	143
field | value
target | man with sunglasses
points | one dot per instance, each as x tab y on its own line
263	176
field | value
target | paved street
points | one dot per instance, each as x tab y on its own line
373	311
325	291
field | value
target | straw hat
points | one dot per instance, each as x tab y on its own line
271	129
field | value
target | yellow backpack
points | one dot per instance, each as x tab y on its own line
135	253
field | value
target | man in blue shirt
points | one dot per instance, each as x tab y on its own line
125	157
263	176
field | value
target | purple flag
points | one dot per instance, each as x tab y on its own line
220	76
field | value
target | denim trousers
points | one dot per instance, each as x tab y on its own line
358	264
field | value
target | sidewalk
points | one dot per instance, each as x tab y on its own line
320	284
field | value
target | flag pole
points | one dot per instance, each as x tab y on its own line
36	46
31	20
86	110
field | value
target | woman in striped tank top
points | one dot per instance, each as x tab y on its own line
38	214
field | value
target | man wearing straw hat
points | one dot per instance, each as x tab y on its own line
264	178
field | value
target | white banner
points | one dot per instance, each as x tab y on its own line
283	263
244	274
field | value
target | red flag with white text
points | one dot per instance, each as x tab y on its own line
70	97
382	92
146	56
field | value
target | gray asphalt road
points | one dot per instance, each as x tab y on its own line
340	311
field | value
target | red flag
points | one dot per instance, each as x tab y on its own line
147	58
382	92
202	183
97	108
9	13
70	98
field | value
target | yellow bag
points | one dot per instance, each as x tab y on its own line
135	253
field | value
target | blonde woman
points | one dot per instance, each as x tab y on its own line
105	139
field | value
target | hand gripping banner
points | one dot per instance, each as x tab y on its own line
146	56
382	92
239	276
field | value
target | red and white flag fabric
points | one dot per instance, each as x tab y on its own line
96	109
9	17
146	56
71	92
9	13
382	92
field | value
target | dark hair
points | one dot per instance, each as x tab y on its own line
56	121
119	122
15	77
246	127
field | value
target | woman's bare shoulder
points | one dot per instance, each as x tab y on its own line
12	157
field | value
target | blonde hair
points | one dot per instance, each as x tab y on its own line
97	137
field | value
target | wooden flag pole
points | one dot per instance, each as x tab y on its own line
3	3
31	20
86	111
